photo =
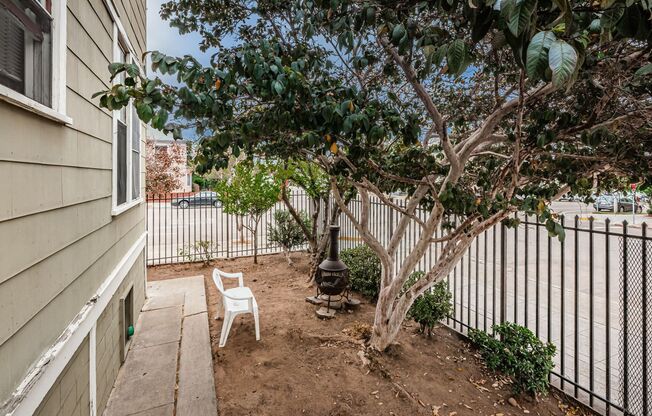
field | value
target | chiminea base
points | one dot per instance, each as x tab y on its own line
325	312
314	300
351	302
329	305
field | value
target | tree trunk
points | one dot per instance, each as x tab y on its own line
315	259
391	309
255	233
239	226
286	252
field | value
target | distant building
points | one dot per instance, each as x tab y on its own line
164	143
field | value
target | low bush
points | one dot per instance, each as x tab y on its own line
430	307
286	232
364	270
518	354
203	250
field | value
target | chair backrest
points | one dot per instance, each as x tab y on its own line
218	281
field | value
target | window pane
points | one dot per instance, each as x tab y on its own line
122	163
26	49
135	154
135	130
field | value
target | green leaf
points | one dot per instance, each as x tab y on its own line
644	70
115	67
537	54
594	27
518	14
456	56
562	59
370	15
560	232
145	112
132	70
161	118
278	87
439	55
398	33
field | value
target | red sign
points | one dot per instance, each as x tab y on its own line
633	187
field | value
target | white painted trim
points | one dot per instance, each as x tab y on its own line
38	382
127	206
92	370
59	50
119	38
130	131
114	131
121	29
20	100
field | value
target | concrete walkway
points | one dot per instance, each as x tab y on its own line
169	367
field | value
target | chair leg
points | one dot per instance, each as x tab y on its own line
226	326
257	324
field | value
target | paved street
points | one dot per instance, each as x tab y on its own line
584	211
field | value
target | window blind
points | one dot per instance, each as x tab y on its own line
12	52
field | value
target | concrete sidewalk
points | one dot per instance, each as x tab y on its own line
169	367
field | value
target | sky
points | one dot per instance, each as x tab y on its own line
162	37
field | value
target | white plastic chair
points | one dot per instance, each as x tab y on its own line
237	300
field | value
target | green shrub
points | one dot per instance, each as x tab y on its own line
432	306
364	270
286	232
518	354
649	210
203	250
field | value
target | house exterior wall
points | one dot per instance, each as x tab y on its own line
70	395
108	333
59	242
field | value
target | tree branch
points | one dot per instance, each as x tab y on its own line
425	98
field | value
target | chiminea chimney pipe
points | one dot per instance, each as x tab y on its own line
333	253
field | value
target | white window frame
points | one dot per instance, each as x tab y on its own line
57	112
120	44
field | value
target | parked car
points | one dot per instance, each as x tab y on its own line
625	205
604	203
200	198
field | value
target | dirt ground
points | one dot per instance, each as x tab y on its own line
304	365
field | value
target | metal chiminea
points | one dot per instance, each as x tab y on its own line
332	281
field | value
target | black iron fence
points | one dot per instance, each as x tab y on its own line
189	227
588	294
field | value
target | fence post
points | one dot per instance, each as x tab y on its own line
503	272
228	234
645	300
624	312
391	221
